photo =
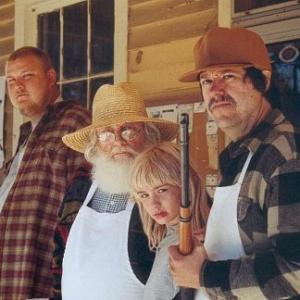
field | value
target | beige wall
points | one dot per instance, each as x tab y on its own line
6	30
161	36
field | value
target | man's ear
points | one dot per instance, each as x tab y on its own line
267	75
52	76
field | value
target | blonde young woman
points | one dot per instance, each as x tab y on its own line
156	184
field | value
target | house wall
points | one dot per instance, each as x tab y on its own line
161	36
6	47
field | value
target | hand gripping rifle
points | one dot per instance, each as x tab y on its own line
185	215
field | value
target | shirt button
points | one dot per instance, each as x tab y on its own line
112	202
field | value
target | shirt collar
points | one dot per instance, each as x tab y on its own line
254	139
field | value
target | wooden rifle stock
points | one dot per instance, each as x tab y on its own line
185	231
185	226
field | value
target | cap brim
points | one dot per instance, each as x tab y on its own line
79	139
193	75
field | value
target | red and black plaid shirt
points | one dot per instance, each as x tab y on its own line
29	215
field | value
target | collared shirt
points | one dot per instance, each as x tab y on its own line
29	215
268	215
104	202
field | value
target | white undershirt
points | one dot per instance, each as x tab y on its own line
11	177
14	168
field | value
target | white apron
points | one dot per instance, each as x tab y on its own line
96	263
222	238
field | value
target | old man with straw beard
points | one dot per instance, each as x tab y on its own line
107	255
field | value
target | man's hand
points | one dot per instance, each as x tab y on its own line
185	269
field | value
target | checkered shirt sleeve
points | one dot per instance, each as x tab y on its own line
268	215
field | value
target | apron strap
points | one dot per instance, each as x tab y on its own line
245	167
90	194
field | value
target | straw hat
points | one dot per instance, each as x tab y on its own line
228	47
117	104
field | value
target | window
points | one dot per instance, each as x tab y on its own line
247	13
80	41
285	60
247	6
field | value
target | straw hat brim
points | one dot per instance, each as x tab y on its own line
193	75
79	139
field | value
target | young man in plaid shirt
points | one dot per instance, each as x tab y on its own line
252	240
39	173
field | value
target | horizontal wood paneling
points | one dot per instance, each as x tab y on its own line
7	11
158	10
6	47
134	2
161	37
6	28
156	69
2	63
163	83
6	31
162	55
172	29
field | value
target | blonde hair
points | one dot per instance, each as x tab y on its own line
160	164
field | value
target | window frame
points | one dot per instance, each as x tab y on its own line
285	8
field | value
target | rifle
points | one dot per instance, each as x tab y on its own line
185	227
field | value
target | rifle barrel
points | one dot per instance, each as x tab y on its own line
185	227
185	230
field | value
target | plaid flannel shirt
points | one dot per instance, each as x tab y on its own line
268	215
30	213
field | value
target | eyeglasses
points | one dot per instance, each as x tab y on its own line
127	133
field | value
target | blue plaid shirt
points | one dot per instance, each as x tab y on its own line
104	202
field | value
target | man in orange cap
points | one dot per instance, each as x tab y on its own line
252	241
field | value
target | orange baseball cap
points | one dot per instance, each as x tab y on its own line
228	47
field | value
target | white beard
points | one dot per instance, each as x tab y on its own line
111	176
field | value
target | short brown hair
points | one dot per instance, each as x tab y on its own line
34	51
